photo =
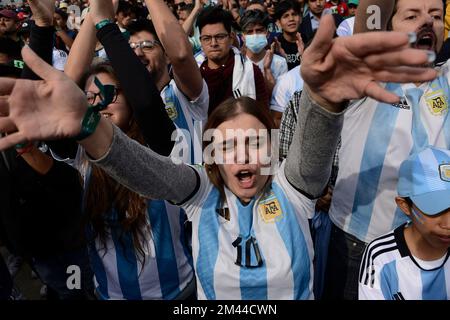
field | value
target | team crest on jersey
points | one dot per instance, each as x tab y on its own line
171	111
270	209
444	171
437	102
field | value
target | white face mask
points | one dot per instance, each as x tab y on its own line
256	42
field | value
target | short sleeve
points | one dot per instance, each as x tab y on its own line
198	108
305	206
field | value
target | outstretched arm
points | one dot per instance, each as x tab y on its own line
188	24
41	41
138	86
46	117
336	71
186	72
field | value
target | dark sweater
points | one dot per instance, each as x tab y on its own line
41	214
220	83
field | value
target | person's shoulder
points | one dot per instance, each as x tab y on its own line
383	245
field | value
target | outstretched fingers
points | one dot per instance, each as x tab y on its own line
323	39
375	91
11	140
7	125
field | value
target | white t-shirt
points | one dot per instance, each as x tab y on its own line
390	272
278	66
376	139
189	116
286	86
262	251
346	27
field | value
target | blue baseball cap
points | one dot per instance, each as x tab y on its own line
425	178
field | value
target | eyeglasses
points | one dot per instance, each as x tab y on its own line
272	3
144	45
92	96
220	38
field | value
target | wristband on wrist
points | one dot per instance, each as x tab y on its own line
23	148
103	23
92	116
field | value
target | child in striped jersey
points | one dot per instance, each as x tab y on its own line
411	262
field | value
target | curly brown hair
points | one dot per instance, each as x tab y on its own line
104	195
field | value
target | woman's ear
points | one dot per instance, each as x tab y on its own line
403	205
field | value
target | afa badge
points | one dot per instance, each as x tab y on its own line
444	171
171	111
437	102
270	209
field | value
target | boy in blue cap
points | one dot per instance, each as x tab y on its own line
411	262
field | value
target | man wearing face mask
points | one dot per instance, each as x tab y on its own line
254	25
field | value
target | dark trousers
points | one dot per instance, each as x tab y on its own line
344	259
6	282
53	271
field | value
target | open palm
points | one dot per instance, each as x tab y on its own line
40	110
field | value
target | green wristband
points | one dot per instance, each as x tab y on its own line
103	23
89	123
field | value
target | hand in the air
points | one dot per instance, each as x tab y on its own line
42	12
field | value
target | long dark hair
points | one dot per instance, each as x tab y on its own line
228	110
104	194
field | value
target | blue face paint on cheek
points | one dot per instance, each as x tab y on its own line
417	215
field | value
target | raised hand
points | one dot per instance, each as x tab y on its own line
338	70
300	44
42	12
39	110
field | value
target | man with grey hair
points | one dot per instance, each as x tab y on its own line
254	25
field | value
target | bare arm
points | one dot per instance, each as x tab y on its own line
334	70
39	161
364	19
151	175
68	41
188	24
186	72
